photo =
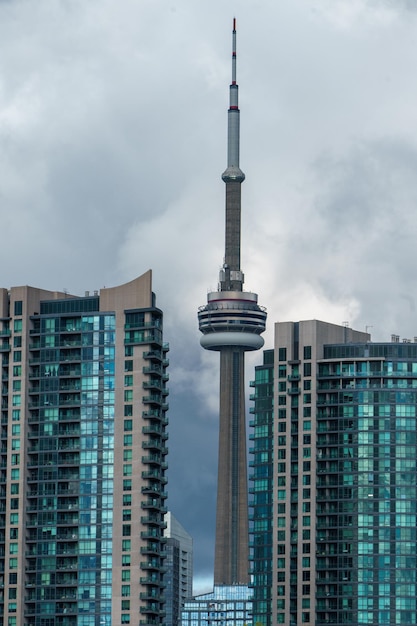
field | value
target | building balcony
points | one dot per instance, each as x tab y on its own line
293	378
153	520
154	504
153	564
152	594
152	581
155	429
154	459
153	384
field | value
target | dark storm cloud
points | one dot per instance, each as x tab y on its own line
113	139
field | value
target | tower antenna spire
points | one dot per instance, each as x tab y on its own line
231	277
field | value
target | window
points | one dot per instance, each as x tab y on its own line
282	400
126	530
13	563
307	369
13	548
127	484
129	380
128	410
282	371
17	326
128	351
307	352
128	395
127	469
17	341
125	559
127	440
14	503
13	579
17	370
18	307
15	459
127	515
17	356
125	574
306	466
12	593
128	425
125	618
306	561
125	591
127	455
14	488
307	398
14	518
128	366
14	533
16	430
17	385
127	499
16	415
306	440
125	605
126	545
282	354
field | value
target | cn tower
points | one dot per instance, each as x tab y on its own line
231	323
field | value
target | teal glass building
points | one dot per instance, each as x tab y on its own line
83	457
334	496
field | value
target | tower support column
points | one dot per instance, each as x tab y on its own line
231	551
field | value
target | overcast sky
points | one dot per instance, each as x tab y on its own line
112	144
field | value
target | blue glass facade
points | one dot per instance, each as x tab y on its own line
71	461
226	605
261	489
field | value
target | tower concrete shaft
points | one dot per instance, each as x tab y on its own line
232	549
232	323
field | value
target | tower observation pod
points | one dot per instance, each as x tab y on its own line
231	323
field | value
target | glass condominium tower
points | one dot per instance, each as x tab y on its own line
82	465
333	479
